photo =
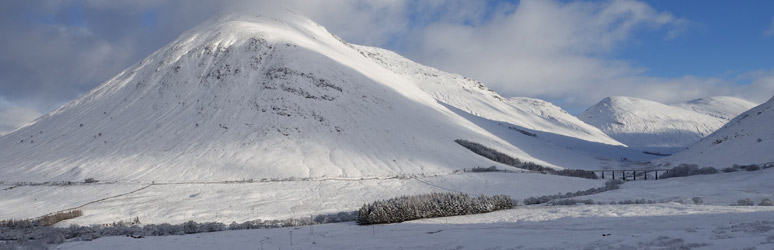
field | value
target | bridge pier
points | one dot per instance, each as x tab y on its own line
623	173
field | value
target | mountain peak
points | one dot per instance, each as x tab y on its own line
245	96
648	124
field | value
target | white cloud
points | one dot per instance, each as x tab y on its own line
13	117
560	51
770	30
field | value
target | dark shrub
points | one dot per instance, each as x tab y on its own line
688	170
489	169
729	170
610	185
745	202
575	173
752	167
51	219
531	166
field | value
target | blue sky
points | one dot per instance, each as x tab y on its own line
572	53
724	38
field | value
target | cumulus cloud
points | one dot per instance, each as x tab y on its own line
560	51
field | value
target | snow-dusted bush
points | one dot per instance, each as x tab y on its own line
18	224
23	230
480	169
433	205
335	218
730	169
51	219
570	202
688	170
610	185
745	202
637	201
575	173
46	220
766	202
497	156
751	167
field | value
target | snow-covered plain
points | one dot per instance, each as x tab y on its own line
663	226
228	202
670	225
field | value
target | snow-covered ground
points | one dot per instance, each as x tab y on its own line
228	202
32	201
660	226
670	225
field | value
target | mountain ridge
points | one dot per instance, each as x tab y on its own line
747	139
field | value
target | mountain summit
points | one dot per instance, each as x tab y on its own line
252	97
646	124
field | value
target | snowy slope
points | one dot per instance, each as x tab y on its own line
723	107
646	124
474	97
747	139
251	97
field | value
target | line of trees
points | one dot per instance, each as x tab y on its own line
433	205
497	156
36	236
610	185
43	221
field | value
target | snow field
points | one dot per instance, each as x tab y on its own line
716	189
178	203
662	226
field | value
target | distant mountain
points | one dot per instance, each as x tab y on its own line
642	123
254	97
747	139
723	107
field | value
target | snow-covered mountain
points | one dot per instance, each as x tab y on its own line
747	139
252	97
723	107
646	124
474	97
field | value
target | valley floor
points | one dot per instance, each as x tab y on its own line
673	222
176	203
659	226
